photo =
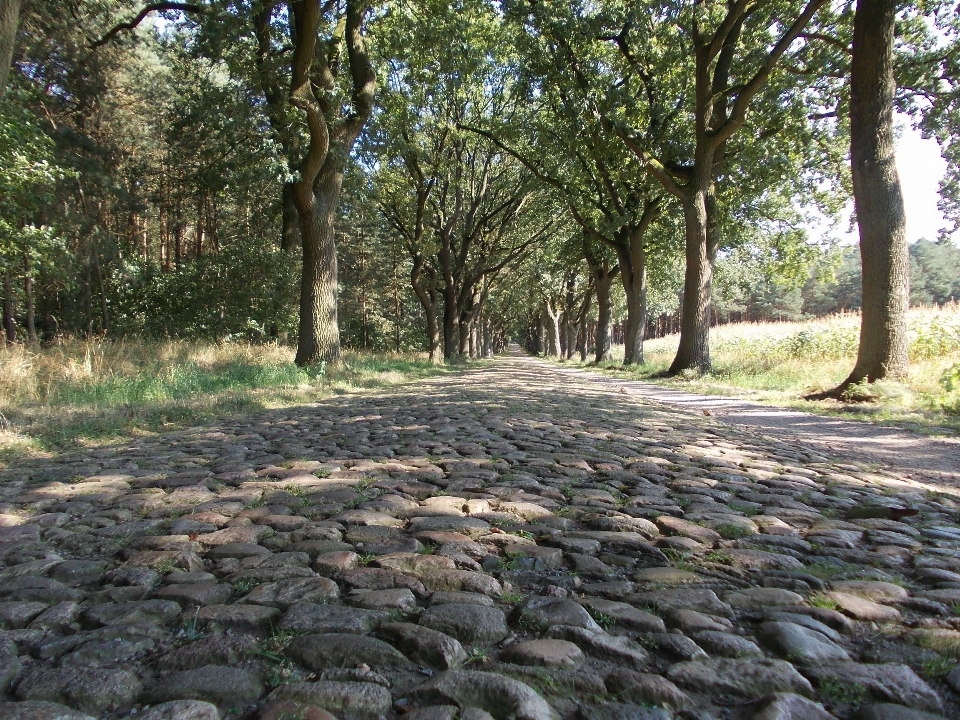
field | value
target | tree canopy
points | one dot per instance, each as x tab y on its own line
444	176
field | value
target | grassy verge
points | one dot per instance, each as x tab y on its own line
90	393
779	363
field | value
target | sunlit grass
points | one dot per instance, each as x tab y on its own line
779	363
91	392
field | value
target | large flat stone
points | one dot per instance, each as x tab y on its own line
496	694
742	678
313	618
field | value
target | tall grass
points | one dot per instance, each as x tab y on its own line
782	362
80	392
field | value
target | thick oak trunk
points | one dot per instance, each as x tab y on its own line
319	330
633	275
604	283
878	198
425	290
316	192
693	352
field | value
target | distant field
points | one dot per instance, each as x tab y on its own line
91	392
780	362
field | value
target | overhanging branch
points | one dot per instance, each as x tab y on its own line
141	16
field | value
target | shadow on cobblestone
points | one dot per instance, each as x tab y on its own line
508	541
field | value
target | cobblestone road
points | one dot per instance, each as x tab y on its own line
507	541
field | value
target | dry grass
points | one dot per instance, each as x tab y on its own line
91	392
779	363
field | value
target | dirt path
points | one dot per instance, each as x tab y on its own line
509	541
934	461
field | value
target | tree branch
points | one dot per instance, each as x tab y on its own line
738	113
829	40
151	8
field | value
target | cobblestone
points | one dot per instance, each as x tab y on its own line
505	541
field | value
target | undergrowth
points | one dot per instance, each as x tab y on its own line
78	393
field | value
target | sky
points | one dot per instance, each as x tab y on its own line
921	168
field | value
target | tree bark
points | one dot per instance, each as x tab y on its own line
317	190
569	319
633	275
582	334
878	199
451	337
553	334
319	329
604	284
463	334
290	233
9	22
693	351
426	292
9	324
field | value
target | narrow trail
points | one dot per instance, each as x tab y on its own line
513	540
935	461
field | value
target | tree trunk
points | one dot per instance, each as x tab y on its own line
877	197
198	235
553	334
178	234
633	275
317	191
583	335
319	331
569	322
28	299
604	317
104	306
427	295
451	339
433	336
9	21
463	334
9	324
694	349
290	234
451	342
212	232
